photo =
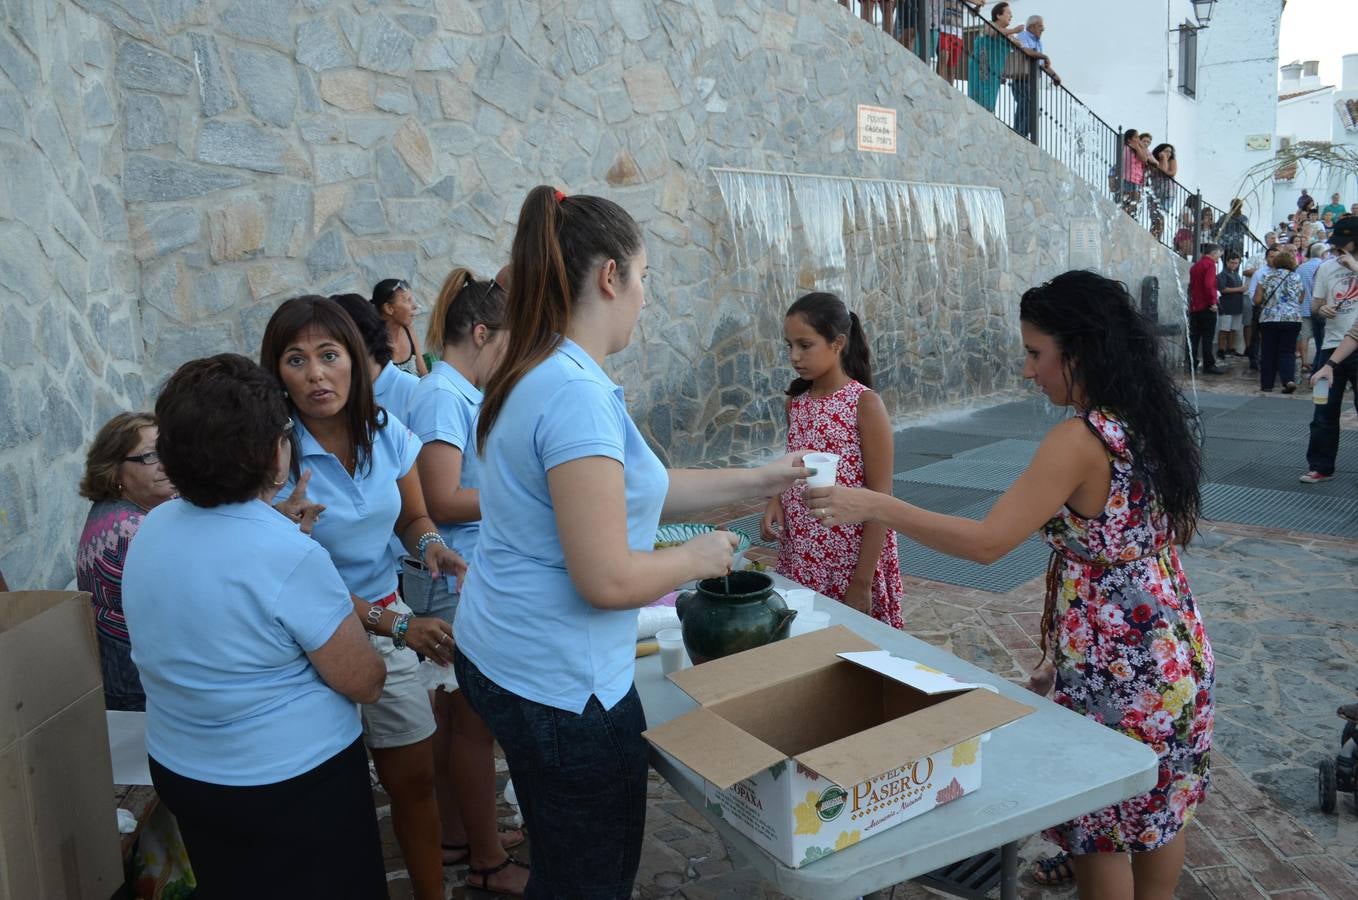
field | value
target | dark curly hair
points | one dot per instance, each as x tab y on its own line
362	414
220	420
370	325
1115	358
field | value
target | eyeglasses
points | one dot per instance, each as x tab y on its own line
149	458
401	285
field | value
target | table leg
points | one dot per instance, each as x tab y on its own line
1009	871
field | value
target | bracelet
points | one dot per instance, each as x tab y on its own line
398	630
373	617
429	537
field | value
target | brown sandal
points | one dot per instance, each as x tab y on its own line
484	875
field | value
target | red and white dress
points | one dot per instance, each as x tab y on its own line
824	559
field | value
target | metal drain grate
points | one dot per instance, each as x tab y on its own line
971	879
904	462
1278	478
937	442
939	497
1251	425
1313	513
968	472
1011	449
1021	565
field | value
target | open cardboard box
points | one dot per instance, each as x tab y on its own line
811	744
58	828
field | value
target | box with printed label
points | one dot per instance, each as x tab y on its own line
812	744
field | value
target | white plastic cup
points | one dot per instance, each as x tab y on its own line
673	656
805	623
825	465
802	600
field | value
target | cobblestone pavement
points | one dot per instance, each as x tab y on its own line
1280	608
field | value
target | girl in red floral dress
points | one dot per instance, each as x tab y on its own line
1113	490
831	408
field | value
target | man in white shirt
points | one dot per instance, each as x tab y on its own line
1029	42
1335	297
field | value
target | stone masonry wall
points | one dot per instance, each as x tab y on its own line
172	169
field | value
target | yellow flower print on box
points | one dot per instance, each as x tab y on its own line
847	839
964	754
805	814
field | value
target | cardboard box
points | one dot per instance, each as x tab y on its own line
58	827
812	744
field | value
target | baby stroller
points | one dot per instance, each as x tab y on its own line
1341	772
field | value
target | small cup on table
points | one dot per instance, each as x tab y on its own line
673	656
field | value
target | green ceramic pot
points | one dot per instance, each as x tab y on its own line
726	615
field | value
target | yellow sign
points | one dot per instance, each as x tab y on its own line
876	129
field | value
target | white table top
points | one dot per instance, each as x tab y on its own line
1033	778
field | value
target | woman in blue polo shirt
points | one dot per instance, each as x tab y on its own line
250	654
570	498
468	324
360	462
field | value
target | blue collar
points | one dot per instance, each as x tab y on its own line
576	354
457	380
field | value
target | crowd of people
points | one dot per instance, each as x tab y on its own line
314	558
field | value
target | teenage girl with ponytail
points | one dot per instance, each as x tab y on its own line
467	325
831	408
570	498
1113	490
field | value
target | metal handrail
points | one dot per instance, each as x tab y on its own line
978	59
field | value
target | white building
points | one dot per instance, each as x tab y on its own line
1320	113
1146	65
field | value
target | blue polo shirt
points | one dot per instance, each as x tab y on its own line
521	620
360	510
222	606
394	390
444	409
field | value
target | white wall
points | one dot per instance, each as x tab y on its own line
1122	60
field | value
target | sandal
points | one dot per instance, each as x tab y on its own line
1053	870
484	875
464	850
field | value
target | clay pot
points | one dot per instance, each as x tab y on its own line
736	612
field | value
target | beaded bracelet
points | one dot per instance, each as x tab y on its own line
398	630
429	537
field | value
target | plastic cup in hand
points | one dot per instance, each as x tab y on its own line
824	466
1320	394
673	656
805	623
800	599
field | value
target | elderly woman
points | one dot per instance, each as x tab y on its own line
124	480
1279	298
251	654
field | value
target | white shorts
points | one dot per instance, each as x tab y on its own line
402	715
1226	322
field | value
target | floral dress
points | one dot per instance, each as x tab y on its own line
1131	652
824	559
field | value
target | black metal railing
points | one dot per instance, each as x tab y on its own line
988	66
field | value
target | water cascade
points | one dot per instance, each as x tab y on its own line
923	265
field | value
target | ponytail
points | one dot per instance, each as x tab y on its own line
830	318
558	242
464	303
857	357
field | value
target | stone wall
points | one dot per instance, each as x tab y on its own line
172	169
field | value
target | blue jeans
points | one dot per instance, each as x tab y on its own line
1318	332
1324	445
581	784
1278	353
427	596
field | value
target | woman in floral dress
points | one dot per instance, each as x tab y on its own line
1113	490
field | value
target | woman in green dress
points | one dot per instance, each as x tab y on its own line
990	49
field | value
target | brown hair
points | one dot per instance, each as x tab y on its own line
361	410
558	242
220	422
462	304
1287	260
114	441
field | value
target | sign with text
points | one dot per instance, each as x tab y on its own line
876	129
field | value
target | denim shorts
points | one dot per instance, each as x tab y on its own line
427	596
581	784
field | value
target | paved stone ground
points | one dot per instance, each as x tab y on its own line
1280	608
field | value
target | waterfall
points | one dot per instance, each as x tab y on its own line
920	264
